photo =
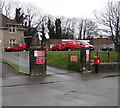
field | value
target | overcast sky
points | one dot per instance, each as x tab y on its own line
70	8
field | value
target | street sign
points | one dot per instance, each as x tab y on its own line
40	60
38	53
74	58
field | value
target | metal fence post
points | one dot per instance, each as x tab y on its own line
108	57
85	59
118	56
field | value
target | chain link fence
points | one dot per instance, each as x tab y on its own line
73	61
106	56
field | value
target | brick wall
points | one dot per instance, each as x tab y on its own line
98	43
55	41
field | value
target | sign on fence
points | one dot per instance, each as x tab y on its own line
38	53
40	60
74	58
73	61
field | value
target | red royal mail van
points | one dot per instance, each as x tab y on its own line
72	45
16	47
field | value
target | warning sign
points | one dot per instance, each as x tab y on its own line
74	58
40	60
38	53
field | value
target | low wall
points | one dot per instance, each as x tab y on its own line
107	67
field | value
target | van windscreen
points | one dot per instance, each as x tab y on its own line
85	43
15	45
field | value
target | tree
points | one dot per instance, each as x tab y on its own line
58	28
67	32
80	28
34	23
51	28
90	29
2	4
111	19
8	7
43	35
19	17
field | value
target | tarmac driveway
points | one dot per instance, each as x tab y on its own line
60	88
70	89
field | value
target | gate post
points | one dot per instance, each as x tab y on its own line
37	57
85	60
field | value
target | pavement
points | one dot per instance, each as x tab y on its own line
12	78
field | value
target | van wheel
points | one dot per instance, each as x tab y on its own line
24	50
11	50
68	49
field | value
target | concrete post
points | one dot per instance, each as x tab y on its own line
85	60
37	61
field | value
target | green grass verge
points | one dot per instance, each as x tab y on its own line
15	67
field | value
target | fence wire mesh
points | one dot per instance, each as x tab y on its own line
106	56
24	62
73	61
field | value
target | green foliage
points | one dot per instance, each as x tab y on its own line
58	28
51	29
19	17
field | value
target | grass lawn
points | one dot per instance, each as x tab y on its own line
61	59
58	59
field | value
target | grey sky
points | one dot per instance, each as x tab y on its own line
70	8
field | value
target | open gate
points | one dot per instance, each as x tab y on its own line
24	64
79	60
74	61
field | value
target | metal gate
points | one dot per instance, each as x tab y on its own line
24	65
74	61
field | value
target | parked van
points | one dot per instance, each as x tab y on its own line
16	47
72	45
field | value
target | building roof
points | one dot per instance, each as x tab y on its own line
7	21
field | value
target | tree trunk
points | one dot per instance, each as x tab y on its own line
117	47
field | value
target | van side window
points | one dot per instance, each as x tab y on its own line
63	42
15	45
79	43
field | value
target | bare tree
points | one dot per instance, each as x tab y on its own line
33	15
80	28
2	4
67	30
91	29
8	7
110	18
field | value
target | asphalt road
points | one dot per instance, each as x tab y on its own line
60	88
